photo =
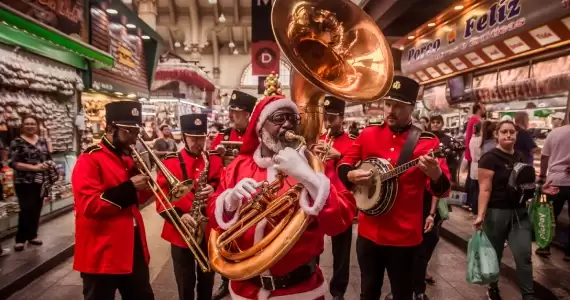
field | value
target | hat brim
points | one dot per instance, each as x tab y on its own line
127	124
332	113
397	100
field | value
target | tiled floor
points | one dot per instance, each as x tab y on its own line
552	272
447	267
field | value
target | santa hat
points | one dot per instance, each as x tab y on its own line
261	112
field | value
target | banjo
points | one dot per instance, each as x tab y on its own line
378	198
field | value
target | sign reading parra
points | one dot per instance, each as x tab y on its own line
493	30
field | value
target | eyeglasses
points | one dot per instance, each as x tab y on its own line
280	119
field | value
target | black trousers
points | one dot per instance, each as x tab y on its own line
31	203
341	244
423	256
375	259
189	275
134	286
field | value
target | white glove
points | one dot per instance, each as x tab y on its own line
245	188
295	164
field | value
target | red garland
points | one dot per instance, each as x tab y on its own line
187	76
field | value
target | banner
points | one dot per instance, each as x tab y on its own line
264	50
63	15
491	32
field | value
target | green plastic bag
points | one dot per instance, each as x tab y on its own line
443	208
543	222
482	262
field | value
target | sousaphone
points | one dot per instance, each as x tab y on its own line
336	49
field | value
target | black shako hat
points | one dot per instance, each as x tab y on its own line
124	113
194	124
241	101
403	89
334	106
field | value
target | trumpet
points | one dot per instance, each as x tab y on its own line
328	142
177	190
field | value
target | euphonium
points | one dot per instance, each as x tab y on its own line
176	190
336	49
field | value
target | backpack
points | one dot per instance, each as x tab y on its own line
522	180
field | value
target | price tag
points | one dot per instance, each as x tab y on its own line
458	64
474	58
517	45
493	52
444	68
544	35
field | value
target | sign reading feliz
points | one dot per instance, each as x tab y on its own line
480	27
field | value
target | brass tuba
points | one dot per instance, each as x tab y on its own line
335	48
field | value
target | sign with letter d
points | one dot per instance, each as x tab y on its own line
264	58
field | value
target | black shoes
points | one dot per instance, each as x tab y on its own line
493	294
421	297
223	291
543	252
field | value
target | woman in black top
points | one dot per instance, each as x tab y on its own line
29	157
502	211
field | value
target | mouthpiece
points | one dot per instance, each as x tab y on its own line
290	136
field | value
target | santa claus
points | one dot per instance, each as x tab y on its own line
265	152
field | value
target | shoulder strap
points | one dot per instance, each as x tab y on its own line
183	166
409	145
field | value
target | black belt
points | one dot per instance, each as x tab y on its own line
272	283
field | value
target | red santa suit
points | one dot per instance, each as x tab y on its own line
332	212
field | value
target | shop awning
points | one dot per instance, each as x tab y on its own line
18	30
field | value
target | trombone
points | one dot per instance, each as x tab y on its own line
177	190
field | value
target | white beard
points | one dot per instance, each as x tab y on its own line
271	142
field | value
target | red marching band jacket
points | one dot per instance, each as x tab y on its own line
227	135
402	225
341	143
106	211
194	166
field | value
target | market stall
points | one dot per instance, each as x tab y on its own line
135	47
512	59
42	61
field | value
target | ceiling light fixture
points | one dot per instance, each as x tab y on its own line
145	37
432	24
411	37
111	11
212	1
177	44
458	7
231	44
131	26
222	18
401	48
236	52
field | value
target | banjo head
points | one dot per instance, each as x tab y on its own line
367	196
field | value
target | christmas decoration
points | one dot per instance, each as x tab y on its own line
272	85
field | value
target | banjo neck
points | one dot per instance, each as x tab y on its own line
403	168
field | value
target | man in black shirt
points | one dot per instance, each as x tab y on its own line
525	143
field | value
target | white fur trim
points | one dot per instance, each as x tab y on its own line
319	189
262	162
273	107
308	295
220	208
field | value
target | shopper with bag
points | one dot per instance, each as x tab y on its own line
502	213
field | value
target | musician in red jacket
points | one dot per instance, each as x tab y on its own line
341	142
264	153
240	107
187	164
388	242
110	244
